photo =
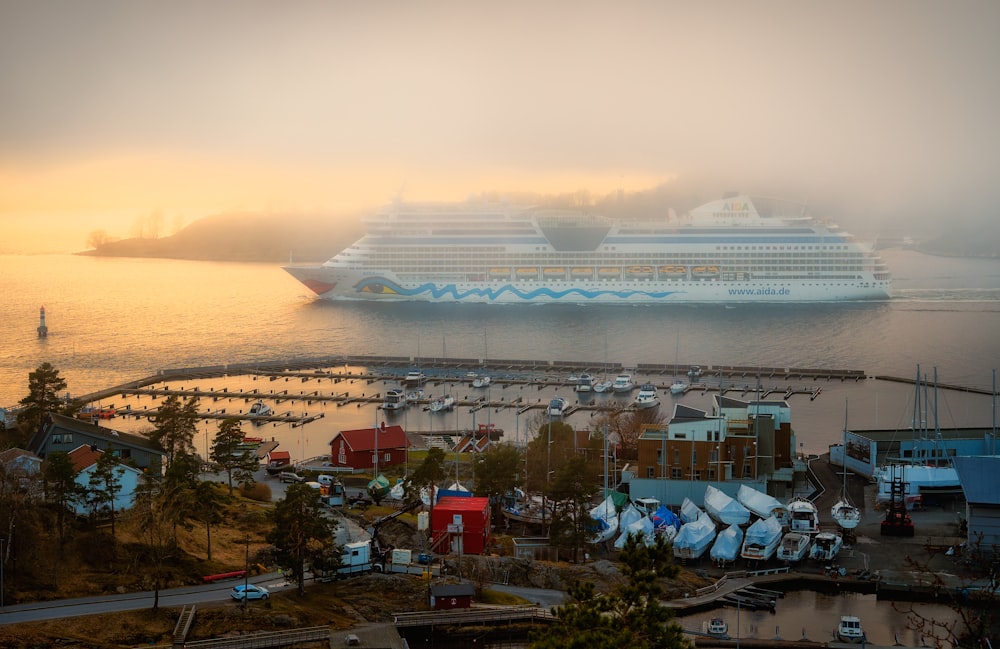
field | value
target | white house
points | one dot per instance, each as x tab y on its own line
84	459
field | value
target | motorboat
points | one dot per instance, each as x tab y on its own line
679	387
647	506
694	538
727	545
647	397
558	406
694	373
761	504
762	539
603	386
584	383
605	516
690	512
623	383
794	547
849	629
482	381
665	522
803	516
717	628
394	400
260	409
724	508
825	546
415	377
444	403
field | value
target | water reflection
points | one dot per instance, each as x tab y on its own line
815	616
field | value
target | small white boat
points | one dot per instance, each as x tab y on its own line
481	381
260	409
679	387
603	386
623	383
761	540
803	516
415	377
761	504
850	629
443	403
845	514
717	628
694	373
558	407
394	400
794	547
825	546
585	383
647	397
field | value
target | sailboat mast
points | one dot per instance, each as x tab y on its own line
844	495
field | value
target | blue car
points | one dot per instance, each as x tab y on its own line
243	593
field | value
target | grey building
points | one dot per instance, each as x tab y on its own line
61	433
980	478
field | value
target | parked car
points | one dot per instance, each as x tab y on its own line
291	476
248	592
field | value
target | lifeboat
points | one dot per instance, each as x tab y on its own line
609	273
499	273
582	273
672	271
639	272
527	273
705	271
554	272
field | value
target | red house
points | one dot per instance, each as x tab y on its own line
461	525
356	449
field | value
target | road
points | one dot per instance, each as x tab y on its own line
173	597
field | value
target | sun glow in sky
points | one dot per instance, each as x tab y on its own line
114	108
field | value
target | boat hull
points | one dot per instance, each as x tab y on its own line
332	283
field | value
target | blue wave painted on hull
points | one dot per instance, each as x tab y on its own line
382	286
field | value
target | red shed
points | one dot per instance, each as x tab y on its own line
461	525
445	596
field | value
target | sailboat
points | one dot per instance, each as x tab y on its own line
604	385
679	386
843	512
483	380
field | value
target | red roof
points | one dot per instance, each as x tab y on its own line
364	439
279	455
84	456
461	504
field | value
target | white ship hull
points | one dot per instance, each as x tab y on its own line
725	252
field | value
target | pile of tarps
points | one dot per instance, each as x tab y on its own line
725	509
666	522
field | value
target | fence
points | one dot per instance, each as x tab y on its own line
265	639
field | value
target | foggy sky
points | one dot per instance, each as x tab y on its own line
886	109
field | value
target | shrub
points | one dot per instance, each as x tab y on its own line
259	491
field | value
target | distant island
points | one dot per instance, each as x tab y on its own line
245	237
254	237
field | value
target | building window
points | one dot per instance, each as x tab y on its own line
676	474
677	456
659	456
342	458
649	472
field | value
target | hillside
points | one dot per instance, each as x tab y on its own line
246	237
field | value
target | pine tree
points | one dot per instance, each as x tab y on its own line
44	386
226	453
301	532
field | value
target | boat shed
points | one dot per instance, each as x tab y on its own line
356	449
978	476
448	596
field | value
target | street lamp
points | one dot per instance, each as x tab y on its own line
2	562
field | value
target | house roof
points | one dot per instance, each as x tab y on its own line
453	590
113	437
279	455
978	476
12	454
687	413
363	439
84	456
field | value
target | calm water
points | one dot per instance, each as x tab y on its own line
117	320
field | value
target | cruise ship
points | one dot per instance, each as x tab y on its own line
731	250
